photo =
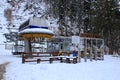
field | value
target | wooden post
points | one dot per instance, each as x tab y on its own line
30	47
79	55
23	58
27	45
16	46
51	60
91	52
103	50
79	52
38	60
61	60
74	60
96	51
85	50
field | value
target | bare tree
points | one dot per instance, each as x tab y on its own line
8	15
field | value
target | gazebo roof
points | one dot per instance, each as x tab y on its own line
31	31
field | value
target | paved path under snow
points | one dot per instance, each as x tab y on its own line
3	70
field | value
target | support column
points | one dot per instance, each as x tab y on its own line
16	46
91	51
96	51
79	52
103	52
28	46
85	50
79	55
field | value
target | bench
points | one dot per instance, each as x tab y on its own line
48	56
35	57
72	57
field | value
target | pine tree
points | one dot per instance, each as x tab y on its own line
106	22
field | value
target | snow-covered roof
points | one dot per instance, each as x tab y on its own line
36	29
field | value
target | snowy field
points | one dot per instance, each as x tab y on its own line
108	69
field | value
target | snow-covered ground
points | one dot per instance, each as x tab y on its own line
108	69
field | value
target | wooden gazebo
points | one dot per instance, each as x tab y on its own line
34	30
33	34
